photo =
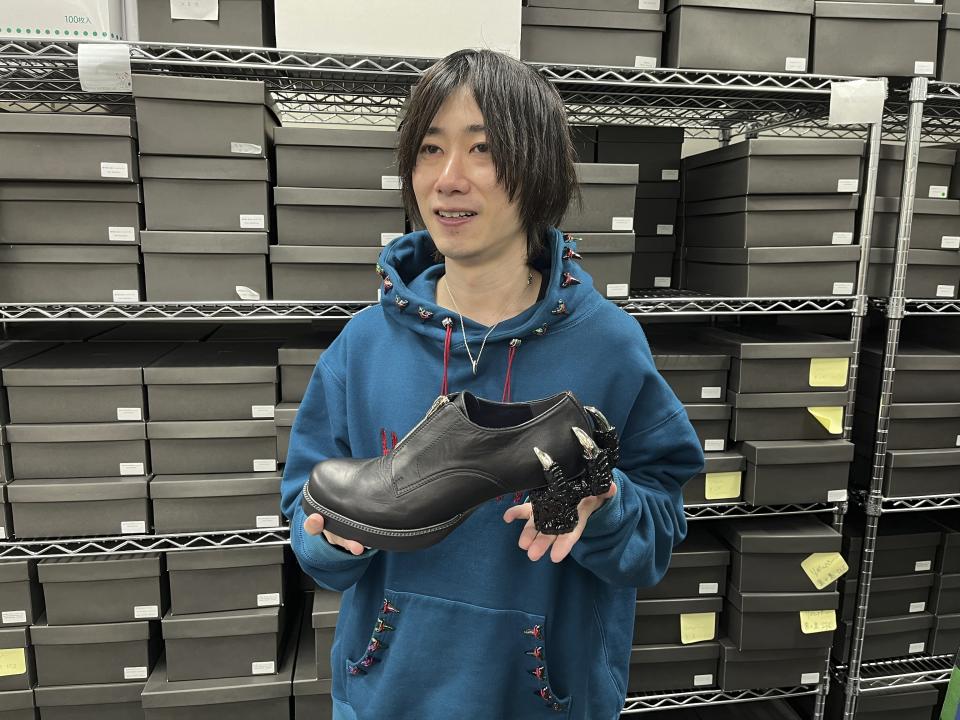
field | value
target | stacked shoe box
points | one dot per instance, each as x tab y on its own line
78	440
656	152
312	694
204	144
902	703
240	23
602	226
100	636
625	33
933	263
772	217
781	602
788	395
948	57
674	638
212	437
69	209
297	360
21	605
338	202
945	596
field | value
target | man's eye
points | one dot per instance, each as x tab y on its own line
481	147
429	150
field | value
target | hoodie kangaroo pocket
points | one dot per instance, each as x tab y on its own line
428	657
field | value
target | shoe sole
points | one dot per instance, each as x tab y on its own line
384	538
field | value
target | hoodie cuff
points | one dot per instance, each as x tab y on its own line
317	551
607	518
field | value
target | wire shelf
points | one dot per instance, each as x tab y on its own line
925	502
900	672
932	307
713	511
700	698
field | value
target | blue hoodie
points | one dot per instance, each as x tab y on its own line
470	627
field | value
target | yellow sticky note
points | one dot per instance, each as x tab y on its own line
13	661
829	372
697	627
722	485
818	621
824	568
830	417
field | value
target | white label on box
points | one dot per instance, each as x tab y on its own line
114	170
242	148
131	468
129	414
146	612
268	599
104	67
924	2
265	465
389	182
947	291
262	411
128	527
252	222
664	229
644	62
924	67
709	588
842	288
847	185
837	495
958	440
938	191
622	223
194	9
714	445
648	5
702	680
122	296
386	238
121	234
669	174
810	679
923	566
710	393
950	242
268	521
918	607
617	290
916	648
13	616
842	238
245	293
135	673
795	64
661	281
3	533
263	668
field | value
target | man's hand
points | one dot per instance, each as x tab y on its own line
314	526
536	543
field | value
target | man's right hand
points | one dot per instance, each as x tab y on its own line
314	526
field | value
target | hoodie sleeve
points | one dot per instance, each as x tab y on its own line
629	540
319	432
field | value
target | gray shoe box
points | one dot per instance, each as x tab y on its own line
222	579
90	590
698	567
18	705
12	640
711	423
607	258
875	39
771	621
6	471
905	546
178	332
78	507
889	596
338	218
608	193
323	619
930	273
588	37
696	373
235	643
12	353
655	208
46	213
6	512
652	265
673	667
796	472
230	501
948	59
605	5
760	35
755	669
213	381
325	273
59	147
899	703
315	157
104	701
655	150
774	166
312	696
782	416
914	473
948	557
244	23
658	621
234	193
934	168
188	267
695	489
774	272
69	273
283	419
945	595
81	383
203	116
80	450
771	221
212	446
21	599
923	374
936	224
887	637
297	359
88	654
767	552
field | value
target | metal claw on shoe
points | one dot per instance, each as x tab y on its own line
544	459
598	417
590	448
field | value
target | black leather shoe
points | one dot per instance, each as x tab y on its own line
464	452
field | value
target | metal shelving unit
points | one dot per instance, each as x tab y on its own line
649	702
716	511
902	672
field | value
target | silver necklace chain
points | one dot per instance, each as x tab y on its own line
474	363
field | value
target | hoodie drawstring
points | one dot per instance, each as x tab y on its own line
514	345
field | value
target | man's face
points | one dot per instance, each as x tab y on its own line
464	208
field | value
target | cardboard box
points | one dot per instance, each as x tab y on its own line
787	416
934	167
720	482
323	619
923	374
221	579
945	595
586	37
903	703
229	501
905	546
698	568
673	667
935	225
788	472
338	218
311	695
18	705
753	669
317	157
607	259
90	702
889	596
658	622
930	273
247	23
655	150
914	473
608	193
696	373
653	261
948	58
10	354
80	450
887	637
15	642
711	423
772	621
655	208
297	359
324	273
21	600
212	446
69	273
605	5
285	415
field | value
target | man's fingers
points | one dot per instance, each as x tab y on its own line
314	526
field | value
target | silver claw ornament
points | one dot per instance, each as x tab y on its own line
544	459
590	448
601	419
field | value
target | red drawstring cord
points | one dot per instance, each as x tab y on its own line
514	344
448	323
383	440
393	440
